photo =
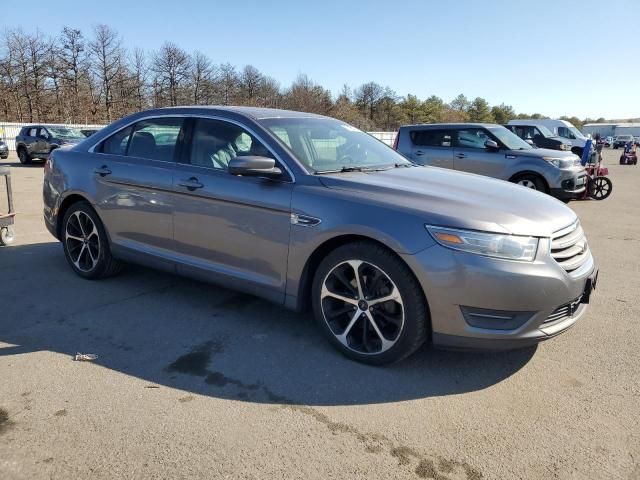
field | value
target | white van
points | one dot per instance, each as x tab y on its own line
561	128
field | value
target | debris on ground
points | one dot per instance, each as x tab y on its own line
85	357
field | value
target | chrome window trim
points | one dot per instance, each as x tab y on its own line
196	116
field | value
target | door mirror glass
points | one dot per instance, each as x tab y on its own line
491	145
254	166
529	141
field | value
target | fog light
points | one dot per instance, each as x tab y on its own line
495	319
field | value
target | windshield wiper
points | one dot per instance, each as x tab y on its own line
345	169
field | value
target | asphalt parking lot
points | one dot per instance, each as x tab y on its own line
193	380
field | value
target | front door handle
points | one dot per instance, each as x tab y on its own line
102	171
419	153
461	155
190	183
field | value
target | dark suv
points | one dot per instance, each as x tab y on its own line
38	141
540	136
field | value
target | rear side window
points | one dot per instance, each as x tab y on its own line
154	139
431	138
32	132
117	143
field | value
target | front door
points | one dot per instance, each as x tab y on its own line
230	229
471	155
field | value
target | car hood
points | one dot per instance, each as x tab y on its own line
456	199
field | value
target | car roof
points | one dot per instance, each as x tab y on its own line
256	113
450	125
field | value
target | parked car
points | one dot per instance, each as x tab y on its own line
608	141
494	151
38	141
636	140
306	210
540	136
561	128
621	140
4	150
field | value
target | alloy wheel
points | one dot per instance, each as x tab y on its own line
362	307
527	183
82	241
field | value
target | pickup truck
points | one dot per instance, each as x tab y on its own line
38	141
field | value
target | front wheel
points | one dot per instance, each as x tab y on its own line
24	157
530	181
85	243
600	188
369	304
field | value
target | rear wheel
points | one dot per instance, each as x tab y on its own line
600	188
532	181
85	243
369	304
23	156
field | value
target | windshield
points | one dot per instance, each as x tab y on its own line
509	139
545	131
65	132
324	144
577	133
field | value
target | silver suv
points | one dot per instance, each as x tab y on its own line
312	213
494	151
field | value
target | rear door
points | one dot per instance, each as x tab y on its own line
471	155
133	175
228	228
432	147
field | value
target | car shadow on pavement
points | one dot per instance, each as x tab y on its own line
204	339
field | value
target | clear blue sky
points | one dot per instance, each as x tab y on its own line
553	57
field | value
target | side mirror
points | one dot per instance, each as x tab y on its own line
530	142
254	166
491	145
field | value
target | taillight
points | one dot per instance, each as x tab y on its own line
395	141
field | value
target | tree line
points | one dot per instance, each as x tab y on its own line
72	77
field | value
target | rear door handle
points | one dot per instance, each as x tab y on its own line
190	183
102	171
461	155
419	153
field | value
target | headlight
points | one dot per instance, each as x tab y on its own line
564	146
511	247
560	162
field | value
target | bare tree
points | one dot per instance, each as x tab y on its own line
367	98
106	52
306	96
227	84
250	81
171	66
201	76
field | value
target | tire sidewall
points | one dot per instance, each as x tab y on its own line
416	326
532	178
104	254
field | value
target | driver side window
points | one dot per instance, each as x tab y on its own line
215	143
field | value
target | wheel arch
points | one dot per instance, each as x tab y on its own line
68	201
303	299
515	176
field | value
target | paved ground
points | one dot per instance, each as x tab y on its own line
194	381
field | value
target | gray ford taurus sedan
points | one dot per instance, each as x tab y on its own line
305	210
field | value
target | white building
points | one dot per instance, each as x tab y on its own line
612	129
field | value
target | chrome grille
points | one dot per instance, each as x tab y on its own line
564	312
569	247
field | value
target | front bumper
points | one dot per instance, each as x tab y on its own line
570	184
531	293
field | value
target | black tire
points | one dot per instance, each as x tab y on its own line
600	188
412	305
23	156
532	181
102	262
